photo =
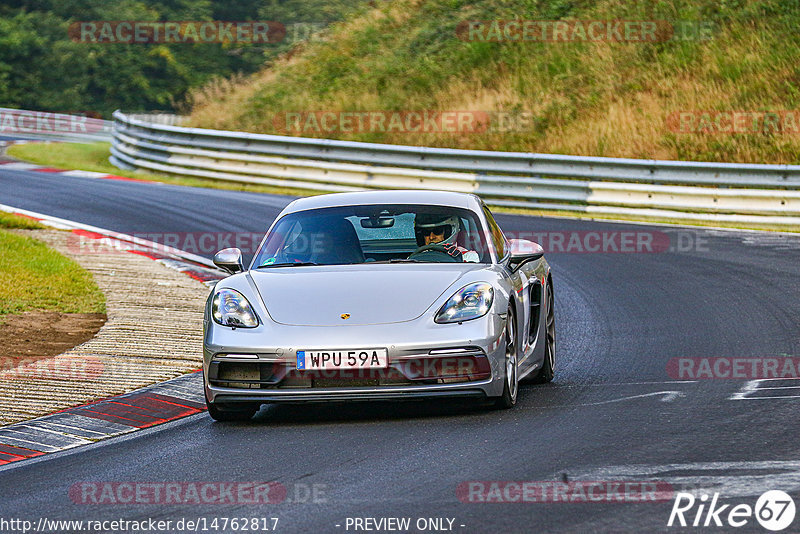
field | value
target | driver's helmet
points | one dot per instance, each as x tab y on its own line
427	223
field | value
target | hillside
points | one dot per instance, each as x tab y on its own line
47	63
719	81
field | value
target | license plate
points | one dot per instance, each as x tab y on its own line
342	359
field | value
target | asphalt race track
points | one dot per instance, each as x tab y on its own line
615	411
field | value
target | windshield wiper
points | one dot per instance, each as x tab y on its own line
399	260
288	264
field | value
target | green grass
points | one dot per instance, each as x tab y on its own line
94	157
9	220
36	277
582	98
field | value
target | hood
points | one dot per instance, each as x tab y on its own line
370	294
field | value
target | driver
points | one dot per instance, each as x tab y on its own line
440	229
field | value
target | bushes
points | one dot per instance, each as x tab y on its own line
41	68
608	99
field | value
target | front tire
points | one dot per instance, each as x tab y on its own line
511	378
230	412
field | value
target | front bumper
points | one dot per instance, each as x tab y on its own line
425	360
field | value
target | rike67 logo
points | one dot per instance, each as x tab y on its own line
774	510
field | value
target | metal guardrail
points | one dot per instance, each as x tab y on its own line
42	125
746	193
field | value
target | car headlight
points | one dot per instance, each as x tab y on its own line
469	302
230	308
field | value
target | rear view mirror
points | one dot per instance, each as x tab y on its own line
377	222
522	251
229	259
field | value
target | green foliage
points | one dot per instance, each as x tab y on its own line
41	68
607	98
10	220
36	277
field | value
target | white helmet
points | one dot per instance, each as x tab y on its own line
427	223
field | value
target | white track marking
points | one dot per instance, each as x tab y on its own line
751	389
750	479
604	384
20	166
84	174
669	396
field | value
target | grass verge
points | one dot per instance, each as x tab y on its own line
36	277
665	98
94	157
9	220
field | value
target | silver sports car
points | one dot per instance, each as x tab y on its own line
378	295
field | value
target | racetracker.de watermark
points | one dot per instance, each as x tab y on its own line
328	122
203	493
570	242
328	366
780	122
57	368
580	31
614	242
176	32
17	121
510	491
582	242
201	243
147	524
727	368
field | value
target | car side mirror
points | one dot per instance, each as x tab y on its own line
522	251
229	259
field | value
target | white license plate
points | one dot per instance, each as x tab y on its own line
342	359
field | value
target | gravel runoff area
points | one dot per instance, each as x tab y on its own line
153	333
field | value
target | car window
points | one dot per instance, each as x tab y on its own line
403	228
498	239
361	234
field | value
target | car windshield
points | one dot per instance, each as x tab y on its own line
374	233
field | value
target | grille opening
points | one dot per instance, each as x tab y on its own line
242	374
535	310
407	372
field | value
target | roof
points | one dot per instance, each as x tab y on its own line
424	197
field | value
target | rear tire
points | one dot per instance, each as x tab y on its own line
511	377
547	371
